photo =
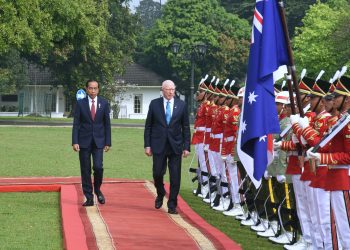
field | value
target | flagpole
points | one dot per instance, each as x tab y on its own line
291	68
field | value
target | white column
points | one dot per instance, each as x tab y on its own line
57	99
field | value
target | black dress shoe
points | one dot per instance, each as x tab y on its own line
172	211
158	202
101	198
88	203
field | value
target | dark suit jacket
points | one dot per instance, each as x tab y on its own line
85	129
157	132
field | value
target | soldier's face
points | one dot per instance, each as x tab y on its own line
92	89
200	95
240	101
337	102
288	109
315	103
279	107
341	103
228	101
305	99
222	100
329	105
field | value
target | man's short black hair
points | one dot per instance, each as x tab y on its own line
90	80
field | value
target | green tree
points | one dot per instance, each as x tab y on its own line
295	10
75	39
189	23
341	36
314	44
13	72
148	11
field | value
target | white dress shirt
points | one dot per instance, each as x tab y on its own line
171	105
90	103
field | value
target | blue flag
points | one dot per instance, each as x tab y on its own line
268	51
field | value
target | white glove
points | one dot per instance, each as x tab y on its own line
275	153
277	144
206	147
294	118
281	178
295	139
303	141
231	160
224	157
266	175
311	155
304	122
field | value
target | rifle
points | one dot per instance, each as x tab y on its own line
288	128
333	131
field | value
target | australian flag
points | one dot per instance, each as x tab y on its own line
268	51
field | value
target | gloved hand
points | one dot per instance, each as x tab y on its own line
231	160
277	144
266	175
224	157
304	122
294	118
281	178
206	147
295	139
311	155
303	141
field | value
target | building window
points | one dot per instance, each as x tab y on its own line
9	98
137	104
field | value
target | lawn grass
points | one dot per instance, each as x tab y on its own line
30	221
46	151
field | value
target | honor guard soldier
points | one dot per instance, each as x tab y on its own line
231	119
209	114
295	166
219	203
204	97
336	156
320	199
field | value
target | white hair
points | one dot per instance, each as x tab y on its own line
167	83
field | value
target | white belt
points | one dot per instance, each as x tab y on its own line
338	166
200	129
322	165
229	139
216	136
208	130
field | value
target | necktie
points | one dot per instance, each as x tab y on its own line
167	113
93	110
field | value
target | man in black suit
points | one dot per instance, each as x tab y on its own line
167	137
91	136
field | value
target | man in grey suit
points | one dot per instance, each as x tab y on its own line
167	138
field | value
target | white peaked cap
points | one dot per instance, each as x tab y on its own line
282	97
241	92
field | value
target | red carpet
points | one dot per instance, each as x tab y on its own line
128	220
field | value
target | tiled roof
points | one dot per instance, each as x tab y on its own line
136	74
